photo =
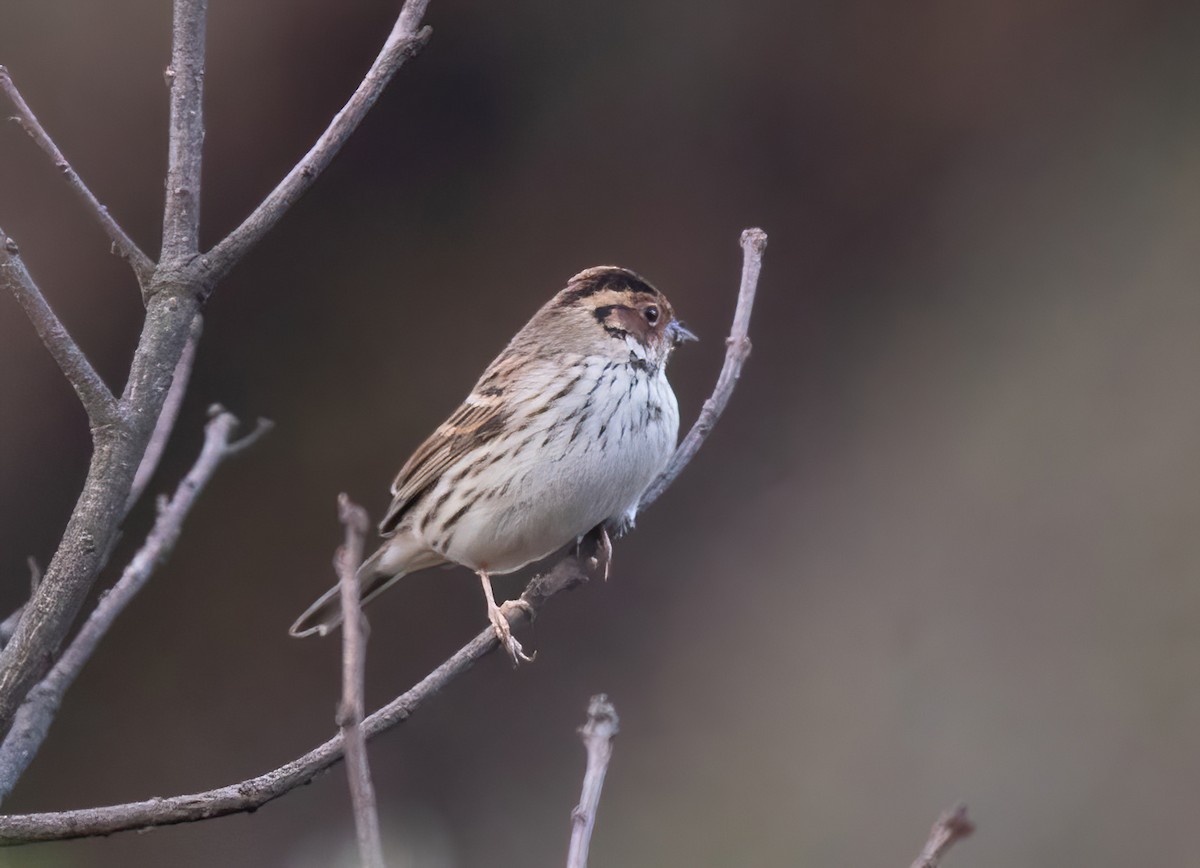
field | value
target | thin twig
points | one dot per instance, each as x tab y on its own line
953	825
33	719
754	242
569	572
406	39
350	714
597	734
185	76
166	418
122	244
97	400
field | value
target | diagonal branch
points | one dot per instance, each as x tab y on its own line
406	39
185	75
754	242
123	245
597	734
35	716
569	572
97	400
351	710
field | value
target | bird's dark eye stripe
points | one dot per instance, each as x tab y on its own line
601	313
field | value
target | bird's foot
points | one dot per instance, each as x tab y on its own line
601	557
496	614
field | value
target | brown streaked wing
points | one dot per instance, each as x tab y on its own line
469	427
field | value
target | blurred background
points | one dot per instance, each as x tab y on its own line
943	545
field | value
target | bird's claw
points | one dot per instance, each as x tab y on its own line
504	632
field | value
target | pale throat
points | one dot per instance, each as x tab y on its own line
640	356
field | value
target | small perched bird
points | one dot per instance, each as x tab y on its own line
562	434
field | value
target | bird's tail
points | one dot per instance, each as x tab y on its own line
373	577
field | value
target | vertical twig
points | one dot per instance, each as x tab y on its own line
953	825
597	734
352	709
185	75
754	242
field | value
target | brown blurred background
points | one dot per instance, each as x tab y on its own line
943	545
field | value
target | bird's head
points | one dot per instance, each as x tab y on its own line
621	315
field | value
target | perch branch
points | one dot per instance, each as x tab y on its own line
166	418
350	714
97	400
122	244
569	572
406	39
754	242
34	717
254	793
597	734
185	76
953	825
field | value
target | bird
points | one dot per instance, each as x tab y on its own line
561	435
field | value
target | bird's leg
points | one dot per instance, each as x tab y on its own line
601	557
500	623
604	553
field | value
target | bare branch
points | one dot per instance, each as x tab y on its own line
185	76
33	719
350	714
123	245
97	400
569	572
166	418
406	39
754	242
953	825
597	734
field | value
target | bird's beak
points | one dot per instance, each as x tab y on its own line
679	333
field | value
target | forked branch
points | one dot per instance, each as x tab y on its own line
569	572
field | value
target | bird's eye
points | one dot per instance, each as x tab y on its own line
651	314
